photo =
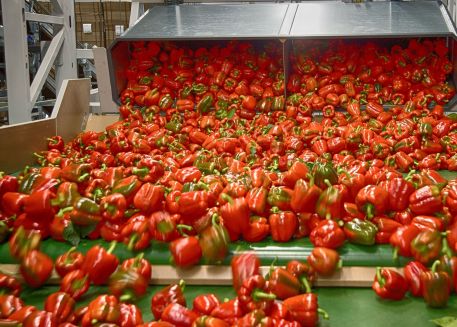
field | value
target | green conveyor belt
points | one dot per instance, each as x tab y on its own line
158	253
353	307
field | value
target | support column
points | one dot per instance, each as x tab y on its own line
17	61
65	63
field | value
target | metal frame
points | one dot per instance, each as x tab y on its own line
23	93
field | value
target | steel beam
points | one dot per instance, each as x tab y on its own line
46	65
44	18
66	60
17	61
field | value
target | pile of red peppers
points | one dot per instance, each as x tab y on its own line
283	297
215	146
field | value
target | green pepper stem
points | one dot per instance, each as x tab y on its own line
127	296
83	177
435	265
323	313
132	241
445	249
111	247
339	265
214	219
395	254
369	210
63	211
182	284
306	284
258	295
274	210
137	260
182	227
55	202
227	198
379	277
327	182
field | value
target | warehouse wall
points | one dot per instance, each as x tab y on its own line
101	17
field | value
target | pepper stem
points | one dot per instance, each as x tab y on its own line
339	265
323	313
137	260
181	229
182	284
83	177
395	253
327	182
258	295
369	208
445	249
435	265
379	277
127	296
132	241
111	247
227	198
214	219
305	283
63	211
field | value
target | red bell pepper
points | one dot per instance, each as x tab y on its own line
257	199
436	287
103	309
324	260
283	284
130	315
413	271
373	200
149	198
304	309
283	225
69	261
399	191
401	240
214	241
99	263
186	251
235	214
327	234
135	232
229	311
170	294
36	268
244	266
253	294
279	196
13	203
389	284
75	172
426	200
258	229
141	265
23	241
21	315
426	246
205	303
75	283
61	305
127	285
179	315
9	285
305	196
330	202
113	206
